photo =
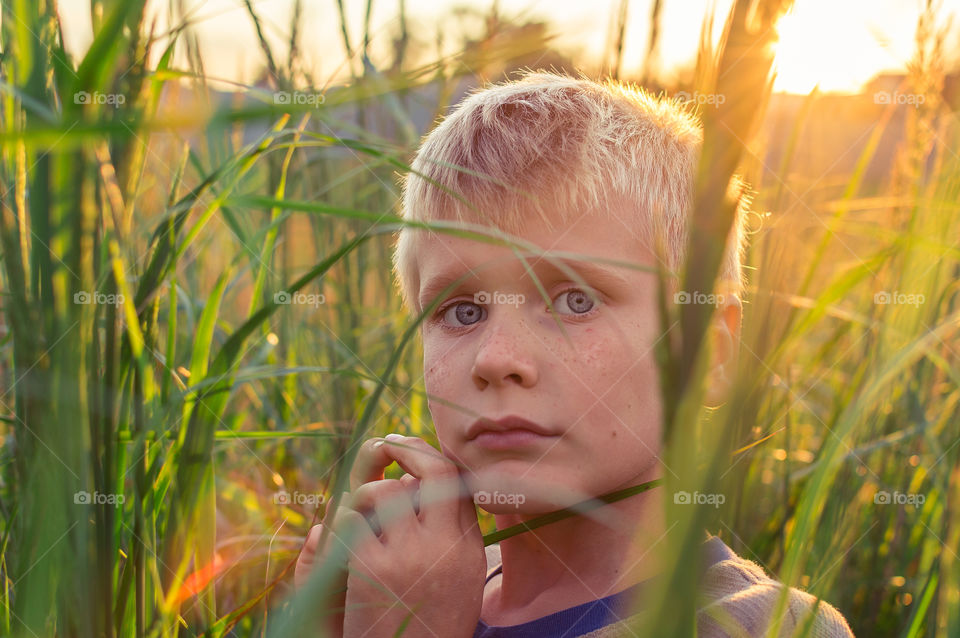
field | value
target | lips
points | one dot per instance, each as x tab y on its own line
506	424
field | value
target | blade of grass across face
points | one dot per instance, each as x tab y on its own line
748	36
486	234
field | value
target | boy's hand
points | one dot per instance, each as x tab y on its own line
423	569
311	557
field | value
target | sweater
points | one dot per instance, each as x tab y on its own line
733	589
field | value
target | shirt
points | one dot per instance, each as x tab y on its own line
736	589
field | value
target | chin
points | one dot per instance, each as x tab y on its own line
498	492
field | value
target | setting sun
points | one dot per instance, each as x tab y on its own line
823	43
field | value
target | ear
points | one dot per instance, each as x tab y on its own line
725	346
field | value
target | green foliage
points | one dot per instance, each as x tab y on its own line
202	326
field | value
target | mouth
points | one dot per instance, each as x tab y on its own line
507	432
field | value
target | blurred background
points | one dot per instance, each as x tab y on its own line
199	316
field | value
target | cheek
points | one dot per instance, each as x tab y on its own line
436	380
439	378
604	363
621	381
435	361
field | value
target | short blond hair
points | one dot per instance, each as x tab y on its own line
551	145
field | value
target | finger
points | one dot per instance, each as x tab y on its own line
443	496
391	502
312	543
311	556
369	464
412	483
329	510
352	532
307	556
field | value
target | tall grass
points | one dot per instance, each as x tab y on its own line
698	449
202	325
126	346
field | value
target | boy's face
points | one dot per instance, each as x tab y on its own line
598	396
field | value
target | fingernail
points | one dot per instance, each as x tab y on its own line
378	444
394	437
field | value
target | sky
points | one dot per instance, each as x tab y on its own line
839	44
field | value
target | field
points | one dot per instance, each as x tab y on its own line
200	321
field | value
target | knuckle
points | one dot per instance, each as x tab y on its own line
329	516
367	445
350	524
444	474
370	492
365	449
362	464
446	469
410	483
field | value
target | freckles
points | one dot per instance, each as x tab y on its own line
435	374
590	350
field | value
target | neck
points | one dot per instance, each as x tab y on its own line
584	557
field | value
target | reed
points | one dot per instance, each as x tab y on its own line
200	326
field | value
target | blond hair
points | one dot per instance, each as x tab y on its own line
551	145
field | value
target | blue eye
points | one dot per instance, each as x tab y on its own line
463	313
575	300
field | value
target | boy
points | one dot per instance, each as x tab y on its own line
539	407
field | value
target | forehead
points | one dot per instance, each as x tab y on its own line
590	233
442	258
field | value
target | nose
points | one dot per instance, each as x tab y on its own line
503	358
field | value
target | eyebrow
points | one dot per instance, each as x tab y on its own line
587	270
